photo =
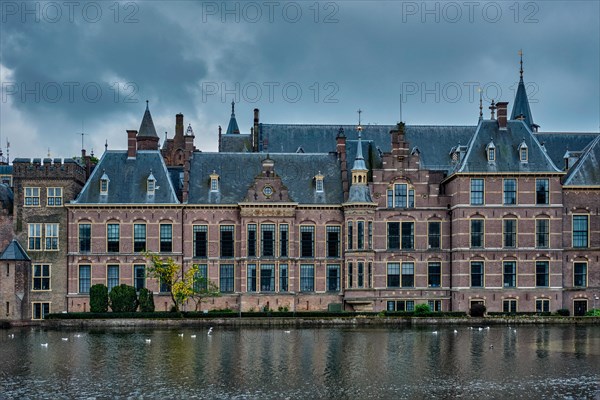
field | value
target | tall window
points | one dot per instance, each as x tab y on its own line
112	276
510	233
408	235
283	240
542	233
434	274
476	273
32	197
139	277
267	278
542	305
85	238
112	238
54	196
139	237
476	233
251	278
307	278
476	192
369	274
51	236
350	235
226	278
580	274
164	286
435	305
509	306
401	196
201	278
542	273
360	235
40	310
542	191
393	233
580	230
510	191
509	274
251	240
333	241
433	234
333	278
35	237
408	274
370	234
85	278
350	275
393	275
283	277
267	238
200	241
166	238
360	274
41	277
307	241
226	241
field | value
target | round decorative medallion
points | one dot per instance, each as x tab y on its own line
267	191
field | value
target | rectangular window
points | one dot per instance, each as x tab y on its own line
35	237
200	241
226	241
435	305
112	238
360	235
226	278
390	198
408	274
542	269
201	278
32	197
580	274
283	278
164	286
85	278
542	233
350	235
333	278
542	305
54	196
112	276
251	240
267	237
510	191
251	275
408	235
411	198
477	274
433	234
509	306
434	274
580	230
139	277
307	241
283	240
307	278
510	232
509	269
370	234
51	237
393	275
476	192
360	274
85	238
476	233
267	278
369	274
542	191
393	230
350	275
40	310
166	238
401	305
139	237
400	195
333	241
41	277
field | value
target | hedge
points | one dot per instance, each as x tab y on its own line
519	314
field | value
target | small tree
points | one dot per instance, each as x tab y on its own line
202	289
146	299
99	298
421	309
123	298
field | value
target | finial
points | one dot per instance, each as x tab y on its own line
359	127
106	145
493	109
232	107
521	62
92	153
147	104
48	151
165	136
480	103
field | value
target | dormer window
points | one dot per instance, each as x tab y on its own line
104	183
491	151
523	153
319	182
151	184
214	182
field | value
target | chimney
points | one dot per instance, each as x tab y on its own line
179	124
502	110
131	143
341	153
493	109
255	131
220	138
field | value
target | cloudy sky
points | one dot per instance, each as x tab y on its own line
68	66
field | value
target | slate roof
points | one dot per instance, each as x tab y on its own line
237	172
507	144
586	171
6	198
14	252
237	143
558	143
147	126
6	169
128	179
521	105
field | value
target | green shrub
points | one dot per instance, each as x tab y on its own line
123	298
422	309
98	298
477	310
563	312
594	312
146	299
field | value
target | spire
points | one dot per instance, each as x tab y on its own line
233	125
147	126
480	103
521	105
359	161
359	191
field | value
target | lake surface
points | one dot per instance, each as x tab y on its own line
520	362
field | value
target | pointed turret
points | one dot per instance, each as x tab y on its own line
521	108
147	139
359	191
233	125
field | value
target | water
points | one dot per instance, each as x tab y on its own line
533	362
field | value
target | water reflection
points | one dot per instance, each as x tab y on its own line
342	363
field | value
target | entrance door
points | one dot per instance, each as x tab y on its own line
580	307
